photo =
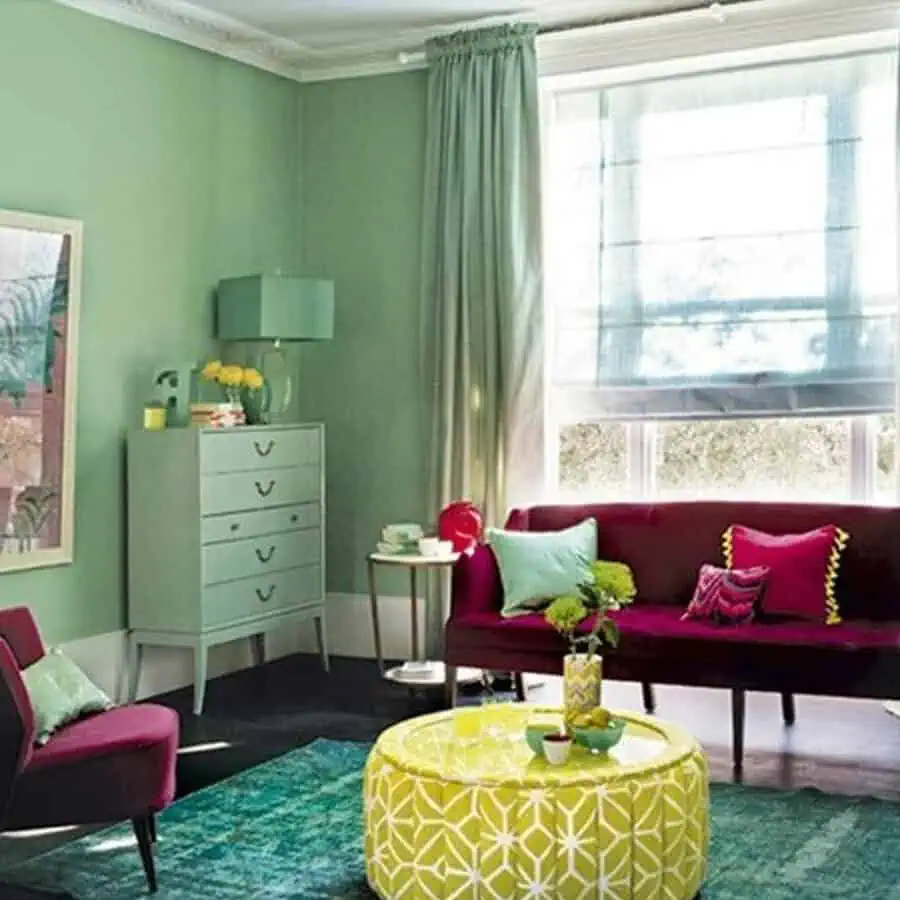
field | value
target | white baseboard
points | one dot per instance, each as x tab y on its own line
348	623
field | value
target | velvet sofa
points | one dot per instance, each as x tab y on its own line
665	545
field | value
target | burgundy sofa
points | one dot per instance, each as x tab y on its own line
665	544
111	766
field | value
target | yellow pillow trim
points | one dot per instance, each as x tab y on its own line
832	612
728	546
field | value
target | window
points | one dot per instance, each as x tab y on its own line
722	282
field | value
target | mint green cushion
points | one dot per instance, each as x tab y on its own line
60	693
536	567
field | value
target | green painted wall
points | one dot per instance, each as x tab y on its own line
363	158
184	168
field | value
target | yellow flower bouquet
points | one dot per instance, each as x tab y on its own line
232	378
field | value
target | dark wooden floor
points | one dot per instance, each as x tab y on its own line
838	746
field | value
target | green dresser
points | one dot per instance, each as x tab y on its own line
225	539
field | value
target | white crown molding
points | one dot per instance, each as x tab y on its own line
630	43
734	28
189	24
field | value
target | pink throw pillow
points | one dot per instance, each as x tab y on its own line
727	596
804	568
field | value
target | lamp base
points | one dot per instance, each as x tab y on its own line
276	394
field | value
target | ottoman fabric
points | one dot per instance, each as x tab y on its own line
444	823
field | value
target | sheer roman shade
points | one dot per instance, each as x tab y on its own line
724	244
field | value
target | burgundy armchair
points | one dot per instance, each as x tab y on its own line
111	766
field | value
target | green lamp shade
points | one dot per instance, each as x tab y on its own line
275	308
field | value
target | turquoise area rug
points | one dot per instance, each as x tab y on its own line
291	830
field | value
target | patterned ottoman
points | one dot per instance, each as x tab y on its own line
456	806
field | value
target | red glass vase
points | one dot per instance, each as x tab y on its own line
462	523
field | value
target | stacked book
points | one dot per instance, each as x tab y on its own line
400	539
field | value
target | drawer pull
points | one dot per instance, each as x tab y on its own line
267	596
235	527
264	491
265	557
295	518
263	451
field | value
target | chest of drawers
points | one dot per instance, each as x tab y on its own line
225	539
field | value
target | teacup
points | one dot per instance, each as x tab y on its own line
557	748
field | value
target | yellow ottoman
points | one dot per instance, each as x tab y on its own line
457	806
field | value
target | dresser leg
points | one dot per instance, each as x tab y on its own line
201	652
322	637
258	646
135	658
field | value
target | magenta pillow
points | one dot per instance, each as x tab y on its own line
804	568
727	596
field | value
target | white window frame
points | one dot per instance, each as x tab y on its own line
766	31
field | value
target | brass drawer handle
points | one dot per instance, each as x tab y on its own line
264	491
267	596
263	451
263	557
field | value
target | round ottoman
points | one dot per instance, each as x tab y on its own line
456	805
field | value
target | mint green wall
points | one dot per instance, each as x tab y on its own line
363	153
184	168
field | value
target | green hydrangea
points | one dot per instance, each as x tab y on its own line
565	614
614	579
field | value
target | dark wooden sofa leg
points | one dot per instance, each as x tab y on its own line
648	697
520	687
787	709
145	845
450	686
152	822
738	711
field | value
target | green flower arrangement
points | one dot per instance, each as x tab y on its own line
610	587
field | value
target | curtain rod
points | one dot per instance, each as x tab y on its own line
715	9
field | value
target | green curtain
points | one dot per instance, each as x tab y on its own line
482	273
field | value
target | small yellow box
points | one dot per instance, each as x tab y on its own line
154	418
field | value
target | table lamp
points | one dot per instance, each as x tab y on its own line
275	309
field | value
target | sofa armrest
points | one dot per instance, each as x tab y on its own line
16	724
476	584
20	631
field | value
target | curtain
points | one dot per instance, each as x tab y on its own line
724	246
481	297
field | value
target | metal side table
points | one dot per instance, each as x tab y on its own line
417	672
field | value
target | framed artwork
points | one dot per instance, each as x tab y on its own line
40	286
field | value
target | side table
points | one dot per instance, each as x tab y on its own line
416	672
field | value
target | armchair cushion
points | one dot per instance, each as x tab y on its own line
60	693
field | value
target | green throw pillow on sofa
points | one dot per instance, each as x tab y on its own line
60	693
536	567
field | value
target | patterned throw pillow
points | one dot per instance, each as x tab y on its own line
727	596
804	568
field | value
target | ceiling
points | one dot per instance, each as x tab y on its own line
309	39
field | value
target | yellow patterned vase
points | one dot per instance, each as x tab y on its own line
582	684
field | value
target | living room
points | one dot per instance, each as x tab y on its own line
626	261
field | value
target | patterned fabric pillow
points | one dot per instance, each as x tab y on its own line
727	596
804	568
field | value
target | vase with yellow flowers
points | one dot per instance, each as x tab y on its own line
609	587
237	383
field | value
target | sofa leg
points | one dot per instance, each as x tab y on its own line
145	845
648	697
151	821
787	709
520	687
450	686
738	711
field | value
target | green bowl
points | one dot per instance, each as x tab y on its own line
601	739
534	735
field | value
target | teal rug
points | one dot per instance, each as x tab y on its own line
291	830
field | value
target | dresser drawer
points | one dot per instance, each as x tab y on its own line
267	553
249	449
236	601
262	489
242	525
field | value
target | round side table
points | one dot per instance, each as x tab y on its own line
417	672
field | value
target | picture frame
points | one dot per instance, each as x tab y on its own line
40	299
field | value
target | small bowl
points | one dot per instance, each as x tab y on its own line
601	739
534	735
557	748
